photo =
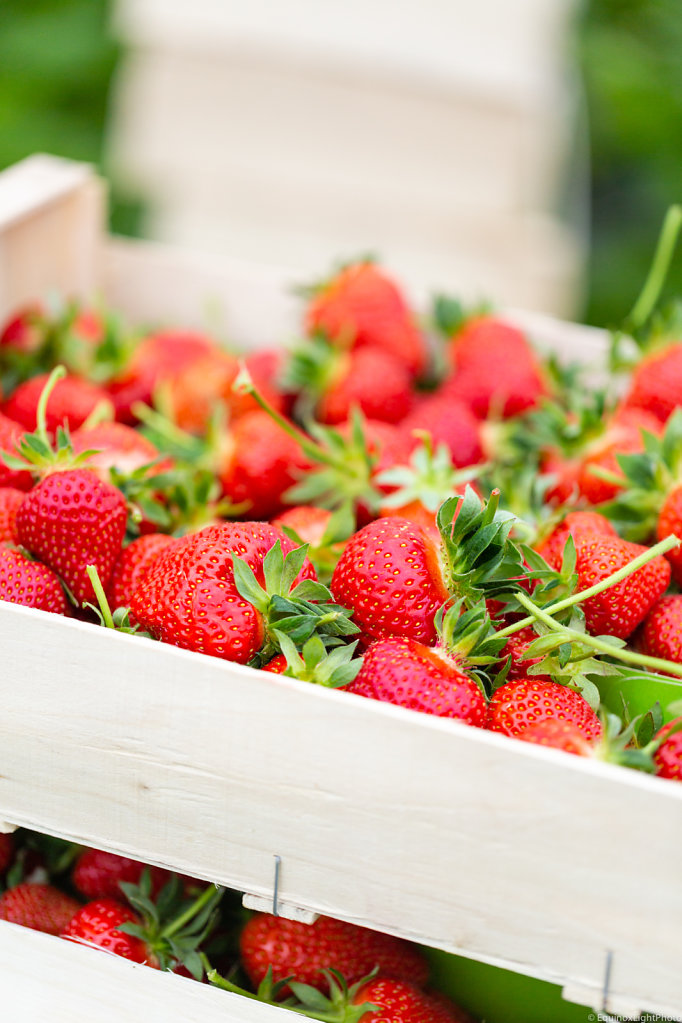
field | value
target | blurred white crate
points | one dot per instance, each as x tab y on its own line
461	839
414	129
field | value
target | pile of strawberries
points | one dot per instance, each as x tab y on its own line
428	514
332	971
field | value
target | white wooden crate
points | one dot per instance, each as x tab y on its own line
463	840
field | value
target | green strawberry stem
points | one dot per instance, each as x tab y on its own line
244	385
210	893
58	373
603	646
105	609
651	290
577	598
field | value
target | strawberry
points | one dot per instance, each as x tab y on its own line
558	733
618	610
70	520
495	372
668	756
6	851
115	445
71	401
361	306
306	521
301	951
30	583
656	383
131	566
670	523
399	1001
98	874
193	594
422	678
516	647
24	331
97	924
447	421
661	634
577	524
10	499
10	433
623	436
38	906
517	704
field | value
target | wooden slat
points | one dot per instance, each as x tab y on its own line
461	839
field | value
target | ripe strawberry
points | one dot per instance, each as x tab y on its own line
390	575
71	401
449	422
30	583
422	678
656	383
623	436
38	906
117	445
157	357
558	733
10	432
308	522
618	610
24	331
399	1001
98	874
361	306
6	851
131	566
668	756
495	372
189	595
70	520
522	702
577	524
516	647
661	634
10	499
258	462
670	522
301	951
97	923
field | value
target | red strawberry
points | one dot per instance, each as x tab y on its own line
398	1001
369	379
559	734
361	306
516	648
668	756
259	462
623	436
72	519
522	702
656	383
25	331
390	575
6	851
132	564
10	432
117	445
577	524
97	924
301	951
670	522
10	499
71	401
188	597
308	522
661	634
98	874
448	422
30	583
38	906
427	679
618	610
495	371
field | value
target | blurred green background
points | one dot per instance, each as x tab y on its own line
57	59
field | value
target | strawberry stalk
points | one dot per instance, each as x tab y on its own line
648	297
604	646
577	598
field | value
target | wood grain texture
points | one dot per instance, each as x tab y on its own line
462	839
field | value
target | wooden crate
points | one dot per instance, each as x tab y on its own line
463	840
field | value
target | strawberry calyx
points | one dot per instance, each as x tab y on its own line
337	1007
478	557
429	478
172	927
311	370
300	612
333	668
